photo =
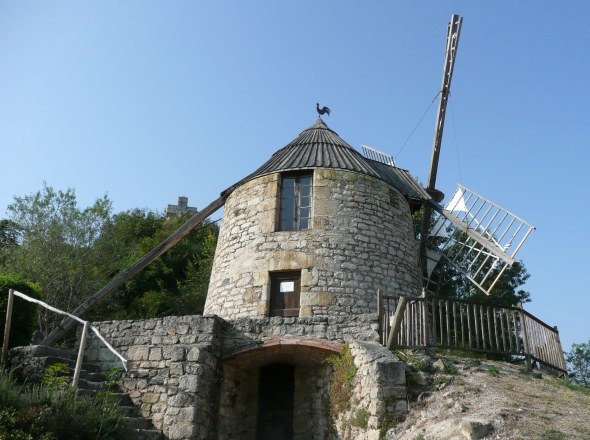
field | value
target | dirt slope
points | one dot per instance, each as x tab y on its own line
493	400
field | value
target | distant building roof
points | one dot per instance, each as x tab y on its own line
320	147
180	209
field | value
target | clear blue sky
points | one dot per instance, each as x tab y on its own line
146	101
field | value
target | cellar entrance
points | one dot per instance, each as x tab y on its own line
276	392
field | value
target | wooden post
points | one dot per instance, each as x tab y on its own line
425	320
80	355
525	339
560	351
380	314
397	321
7	326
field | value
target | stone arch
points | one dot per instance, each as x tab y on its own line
240	409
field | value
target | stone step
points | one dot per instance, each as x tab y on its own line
129	410
91	385
145	434
137	423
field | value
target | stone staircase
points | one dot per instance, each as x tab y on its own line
32	362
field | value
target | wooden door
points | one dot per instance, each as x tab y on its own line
284	293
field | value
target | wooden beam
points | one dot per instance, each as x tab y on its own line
135	268
7	325
453	34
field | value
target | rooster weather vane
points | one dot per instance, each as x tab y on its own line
323	110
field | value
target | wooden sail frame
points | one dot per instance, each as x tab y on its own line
479	237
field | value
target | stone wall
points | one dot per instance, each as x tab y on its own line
379	394
247	333
174	370
196	377
362	240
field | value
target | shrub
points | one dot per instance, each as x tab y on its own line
24	313
37	412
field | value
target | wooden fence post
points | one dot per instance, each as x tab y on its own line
80	355
397	321
560	351
525	339
7	326
425	320
380	314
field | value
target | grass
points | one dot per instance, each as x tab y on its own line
552	434
493	371
415	361
450	368
442	380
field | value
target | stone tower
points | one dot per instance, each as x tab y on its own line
315	231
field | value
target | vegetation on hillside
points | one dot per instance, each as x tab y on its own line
52	411
71	252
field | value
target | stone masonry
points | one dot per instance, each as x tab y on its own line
196	377
361	241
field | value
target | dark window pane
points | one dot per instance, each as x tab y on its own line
287	224
296	193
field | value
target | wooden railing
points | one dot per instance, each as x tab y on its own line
87	326
433	321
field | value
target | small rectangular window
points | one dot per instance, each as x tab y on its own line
296	196
285	290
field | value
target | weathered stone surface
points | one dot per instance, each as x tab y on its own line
475	429
362	240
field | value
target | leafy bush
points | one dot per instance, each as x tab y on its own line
24	313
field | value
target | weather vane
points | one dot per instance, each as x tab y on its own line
322	110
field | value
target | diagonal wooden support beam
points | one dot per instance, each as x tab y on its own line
132	270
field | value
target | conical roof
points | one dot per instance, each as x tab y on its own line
320	147
316	147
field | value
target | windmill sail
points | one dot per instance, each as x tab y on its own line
478	237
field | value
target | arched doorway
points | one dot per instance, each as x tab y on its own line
276	391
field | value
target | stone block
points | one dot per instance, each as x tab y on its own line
180	431
188	383
138	353
150	398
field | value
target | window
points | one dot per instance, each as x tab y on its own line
285	288
295	210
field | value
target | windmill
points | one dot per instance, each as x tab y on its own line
479	238
483	244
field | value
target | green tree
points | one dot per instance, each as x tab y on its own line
578	359
9	237
55	247
174	284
